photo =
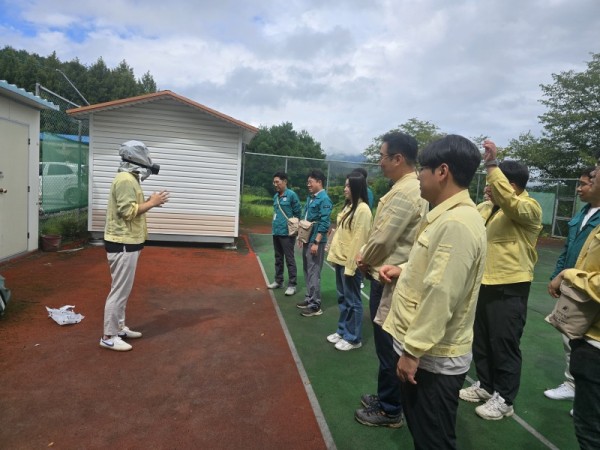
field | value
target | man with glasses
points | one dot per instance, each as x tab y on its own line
398	214
580	227
433	305
285	206
318	211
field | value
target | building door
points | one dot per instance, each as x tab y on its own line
14	182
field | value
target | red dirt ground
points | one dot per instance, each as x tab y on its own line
213	370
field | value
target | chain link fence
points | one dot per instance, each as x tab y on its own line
63	171
557	197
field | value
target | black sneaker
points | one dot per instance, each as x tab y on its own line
369	400
308	312
376	417
302	305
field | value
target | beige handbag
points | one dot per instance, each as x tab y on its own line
304	230
292	222
574	312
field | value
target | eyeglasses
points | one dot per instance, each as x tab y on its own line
390	157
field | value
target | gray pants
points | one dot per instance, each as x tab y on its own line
312	265
122	271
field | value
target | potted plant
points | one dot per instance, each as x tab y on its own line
50	236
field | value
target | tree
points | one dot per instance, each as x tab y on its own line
147	84
423	131
98	83
571	134
281	140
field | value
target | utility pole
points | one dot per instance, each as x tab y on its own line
73	86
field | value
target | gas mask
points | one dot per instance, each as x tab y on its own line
135	155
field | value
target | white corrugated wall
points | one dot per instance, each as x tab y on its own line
200	165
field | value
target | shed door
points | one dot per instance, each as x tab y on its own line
13	188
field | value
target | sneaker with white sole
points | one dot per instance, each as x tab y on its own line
115	343
291	290
303	305
309	312
495	408
474	394
562	392
334	338
344	345
377	417
274	285
126	333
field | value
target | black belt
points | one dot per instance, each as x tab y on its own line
119	247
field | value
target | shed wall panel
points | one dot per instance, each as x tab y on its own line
200	163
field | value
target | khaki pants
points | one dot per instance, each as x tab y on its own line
122	271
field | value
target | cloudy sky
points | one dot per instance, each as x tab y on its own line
344	70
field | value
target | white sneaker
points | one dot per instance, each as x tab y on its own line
495	408
291	290
571	413
344	345
562	392
115	343
126	333
274	285
334	338
474	394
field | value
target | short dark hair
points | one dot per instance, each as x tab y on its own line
281	175
361	171
515	172
317	175
398	142
460	154
587	171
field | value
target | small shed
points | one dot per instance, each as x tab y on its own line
199	151
19	169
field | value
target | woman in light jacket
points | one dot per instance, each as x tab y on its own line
353	227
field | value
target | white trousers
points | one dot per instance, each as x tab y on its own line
122	271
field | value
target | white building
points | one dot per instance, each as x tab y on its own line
199	151
19	169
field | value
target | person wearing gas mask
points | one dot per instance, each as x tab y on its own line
124	235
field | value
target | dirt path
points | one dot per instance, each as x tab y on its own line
213	370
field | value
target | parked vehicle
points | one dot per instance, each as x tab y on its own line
63	182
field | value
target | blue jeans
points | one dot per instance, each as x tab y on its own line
350	304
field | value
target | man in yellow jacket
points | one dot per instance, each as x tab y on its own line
433	305
585	353
513	223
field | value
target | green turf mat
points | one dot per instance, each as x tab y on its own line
339	378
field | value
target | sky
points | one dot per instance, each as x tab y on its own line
346	71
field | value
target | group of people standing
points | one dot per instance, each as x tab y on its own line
449	281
